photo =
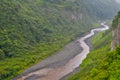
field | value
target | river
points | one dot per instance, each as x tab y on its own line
56	73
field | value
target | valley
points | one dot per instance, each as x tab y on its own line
51	70
35	32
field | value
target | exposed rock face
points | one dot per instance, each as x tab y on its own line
116	37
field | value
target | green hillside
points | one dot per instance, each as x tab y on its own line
32	30
101	63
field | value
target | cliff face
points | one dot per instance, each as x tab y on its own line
116	37
116	31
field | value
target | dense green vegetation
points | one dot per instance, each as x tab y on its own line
101	63
116	21
31	30
104	66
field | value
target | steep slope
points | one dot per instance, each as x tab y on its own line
116	31
28	22
102	63
31	30
25	23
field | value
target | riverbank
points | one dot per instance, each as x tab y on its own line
88	42
63	63
59	59
101	47
56	60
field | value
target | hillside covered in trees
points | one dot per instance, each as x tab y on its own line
32	30
102	63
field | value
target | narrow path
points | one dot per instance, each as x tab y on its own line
56	73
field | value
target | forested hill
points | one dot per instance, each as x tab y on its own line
116	31
31	30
